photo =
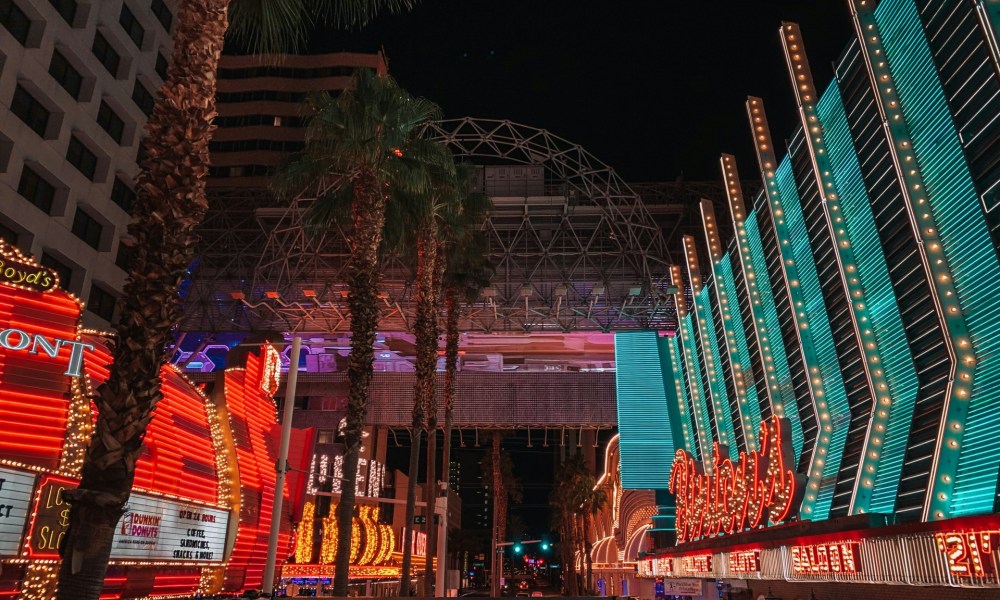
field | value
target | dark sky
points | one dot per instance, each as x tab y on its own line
653	89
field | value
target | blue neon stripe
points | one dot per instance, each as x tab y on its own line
644	423
965	240
786	391
886	322
724	275
702	416
818	337
674	358
720	399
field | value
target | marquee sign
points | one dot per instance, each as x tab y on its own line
152	528
826	559
760	488
969	553
15	499
155	528
26	275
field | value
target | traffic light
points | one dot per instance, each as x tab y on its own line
545	545
518	549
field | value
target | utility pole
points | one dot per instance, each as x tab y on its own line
282	467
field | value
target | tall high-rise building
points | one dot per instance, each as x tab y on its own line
262	109
77	81
842	348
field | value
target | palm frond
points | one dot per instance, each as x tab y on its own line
272	27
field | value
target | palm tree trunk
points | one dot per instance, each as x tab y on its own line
426	326
588	548
170	204
450	370
411	502
368	212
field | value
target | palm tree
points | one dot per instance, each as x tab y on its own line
463	270
594	500
360	147
413	221
574	486
467	272
498	468
170	204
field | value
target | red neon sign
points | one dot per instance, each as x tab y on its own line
969	553
744	561
696	563
842	558
760	487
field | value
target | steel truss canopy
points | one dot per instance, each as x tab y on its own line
573	246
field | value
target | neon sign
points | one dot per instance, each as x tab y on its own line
18	340
827	559
744	561
697	563
969	553
26	275
761	487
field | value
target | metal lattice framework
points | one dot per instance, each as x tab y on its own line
585	255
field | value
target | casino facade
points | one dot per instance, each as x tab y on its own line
200	511
826	414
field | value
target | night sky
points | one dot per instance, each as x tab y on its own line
654	89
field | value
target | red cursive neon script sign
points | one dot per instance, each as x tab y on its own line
760	487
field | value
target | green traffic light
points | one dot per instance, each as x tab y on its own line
517	548
545	545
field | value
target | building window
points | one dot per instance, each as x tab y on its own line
82	158
14	19
142	98
161	66
65	74
110	122
122	195
65	272
8	234
131	25
163	13
36	189
87	228
65	8
108	56
101	303
324	436
30	110
125	258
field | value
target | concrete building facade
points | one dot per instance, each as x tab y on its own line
77	81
